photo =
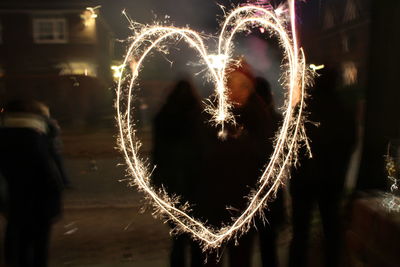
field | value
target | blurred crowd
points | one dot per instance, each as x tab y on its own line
212	170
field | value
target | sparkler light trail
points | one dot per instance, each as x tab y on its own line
315	68
390	201
295	78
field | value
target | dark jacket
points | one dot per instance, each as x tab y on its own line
34	186
177	143
233	166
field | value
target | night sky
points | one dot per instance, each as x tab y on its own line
198	14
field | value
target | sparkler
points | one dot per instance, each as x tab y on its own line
315	67
288	139
265	4
390	201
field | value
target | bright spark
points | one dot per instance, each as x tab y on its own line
117	71
390	200
217	61
280	10
315	68
295	77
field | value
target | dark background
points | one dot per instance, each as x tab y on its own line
359	38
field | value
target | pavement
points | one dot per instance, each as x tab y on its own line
103	223
109	237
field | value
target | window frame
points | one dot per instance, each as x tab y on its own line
54	21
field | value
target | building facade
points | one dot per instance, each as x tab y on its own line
337	34
58	52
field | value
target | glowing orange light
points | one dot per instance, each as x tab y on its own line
89	15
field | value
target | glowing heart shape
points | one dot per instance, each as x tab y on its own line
287	140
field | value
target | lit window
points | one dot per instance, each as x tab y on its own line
78	68
350	73
351	11
50	30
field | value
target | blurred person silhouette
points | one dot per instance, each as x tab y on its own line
320	180
276	213
234	164
33	184
55	142
263	90
177	152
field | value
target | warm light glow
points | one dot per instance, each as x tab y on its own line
315	68
350	73
92	11
117	71
217	61
89	16
291	135
77	68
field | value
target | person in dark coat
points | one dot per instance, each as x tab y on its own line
177	152
275	214
34	185
235	162
319	181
